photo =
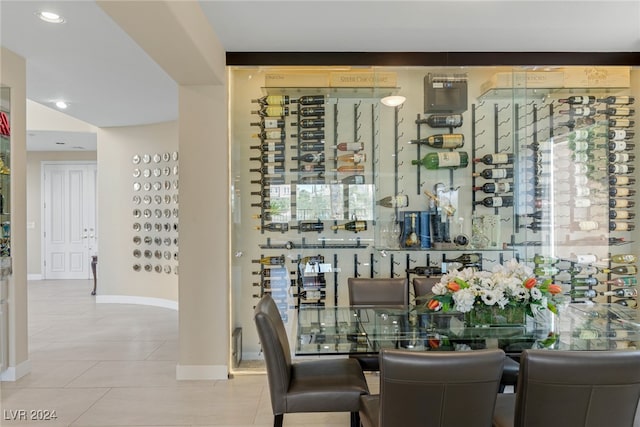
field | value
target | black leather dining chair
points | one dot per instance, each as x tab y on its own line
376	292
446	389
324	385
573	389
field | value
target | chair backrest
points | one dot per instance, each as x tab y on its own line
423	285
439	388
277	354
378	291
597	388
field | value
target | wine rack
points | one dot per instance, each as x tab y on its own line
5	176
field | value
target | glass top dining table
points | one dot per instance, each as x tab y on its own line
358	330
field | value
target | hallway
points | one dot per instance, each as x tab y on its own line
114	365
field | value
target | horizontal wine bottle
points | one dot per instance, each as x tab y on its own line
621	203
450	159
494	187
349	146
582	293
621	157
309	167
398	201
448	140
584	281
310	146
269	158
353	179
354	226
310	157
618	122
349	168
546	260
580	111
621	226
618	100
309	100
583	100
621	146
468	258
442	120
495	159
621	214
309	226
275	226
309	111
270	260
269	170
631	303
495	173
621	192
618	111
271	134
424	271
620	134
621	293
309	123
269	146
265	192
351	158
269	124
620	168
309	134
496	201
269	180
272	100
622	282
268	111
621	270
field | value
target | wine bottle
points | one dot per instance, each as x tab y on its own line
496	173
310	157
310	146
496	201
494	187
583	100
469	258
618	100
621	146
582	293
620	168
424	271
268	146
442	120
448	140
272	100
545	271
271	272
269	170
275	226
618	122
618	111
349	168
265	192
621	226
269	124
631	303
309	111
353	179
271	134
272	111
584	281
546	260
621	192
621	214
398	201
495	159
621	203
309	167
450	159
622	258
621	180
620	134
351	158
580	111
622	281
309	134
309	226
621	157
354	226
349	146
269	158
621	270
588	225
309	100
269	180
265	204
312	179
270	260
309	123
621	293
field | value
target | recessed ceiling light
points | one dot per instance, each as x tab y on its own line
51	17
62	105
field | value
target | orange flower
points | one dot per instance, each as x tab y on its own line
554	289
453	286
434	305
530	282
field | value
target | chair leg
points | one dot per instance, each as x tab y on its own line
277	420
355	419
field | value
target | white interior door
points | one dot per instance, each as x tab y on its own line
69	220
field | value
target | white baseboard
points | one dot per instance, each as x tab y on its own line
14	373
128	299
202	372
34	276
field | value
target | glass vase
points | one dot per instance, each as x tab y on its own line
492	315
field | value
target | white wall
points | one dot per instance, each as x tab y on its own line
116	277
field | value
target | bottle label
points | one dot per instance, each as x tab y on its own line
621	157
622	192
619	134
588	225
453	140
499	173
275	111
621	111
622	180
620	168
497	202
503	187
500	158
448	159
586	259
581	134
580	168
581	157
581	100
619	146
270	123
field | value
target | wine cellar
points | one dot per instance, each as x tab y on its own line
477	166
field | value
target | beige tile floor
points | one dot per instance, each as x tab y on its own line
114	365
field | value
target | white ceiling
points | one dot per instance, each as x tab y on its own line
108	80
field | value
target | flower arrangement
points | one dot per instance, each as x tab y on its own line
512	285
